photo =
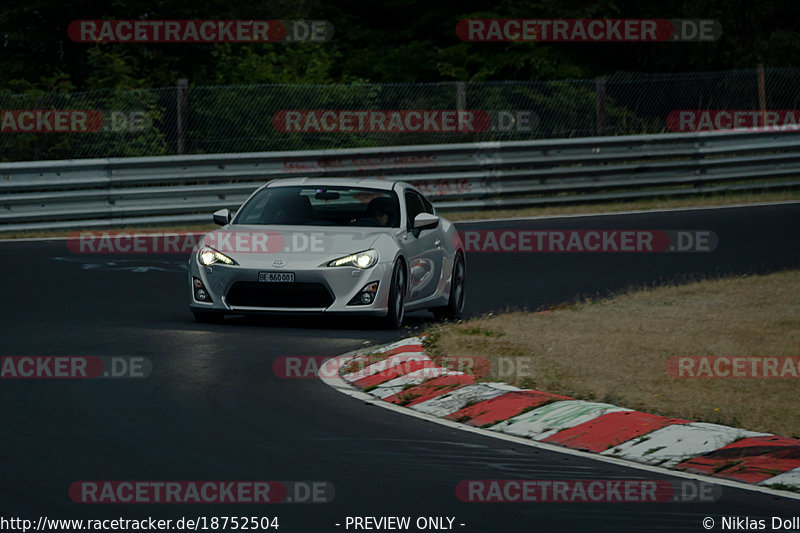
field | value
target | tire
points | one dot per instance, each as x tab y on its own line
397	298
454	309
208	317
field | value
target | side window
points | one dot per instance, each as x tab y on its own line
428	206
414	206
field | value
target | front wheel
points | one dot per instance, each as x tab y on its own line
397	298
454	309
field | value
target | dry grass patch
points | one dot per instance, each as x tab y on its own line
615	350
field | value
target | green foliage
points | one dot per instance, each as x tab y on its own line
394	41
375	45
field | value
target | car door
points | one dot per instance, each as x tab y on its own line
424	251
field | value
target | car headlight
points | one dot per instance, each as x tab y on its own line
363	259
209	256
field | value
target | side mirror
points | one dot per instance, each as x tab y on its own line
425	221
222	217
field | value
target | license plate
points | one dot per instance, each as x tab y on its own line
276	277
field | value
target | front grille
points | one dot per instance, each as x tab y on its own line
254	294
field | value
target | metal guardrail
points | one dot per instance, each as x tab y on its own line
87	193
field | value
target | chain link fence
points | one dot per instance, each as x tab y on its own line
229	119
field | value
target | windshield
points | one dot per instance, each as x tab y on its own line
321	206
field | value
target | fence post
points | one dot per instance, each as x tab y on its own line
461	99
181	118
762	93
600	87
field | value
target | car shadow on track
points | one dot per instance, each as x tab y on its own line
414	322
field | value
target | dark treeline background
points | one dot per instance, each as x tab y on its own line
375	41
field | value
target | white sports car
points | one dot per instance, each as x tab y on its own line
330	245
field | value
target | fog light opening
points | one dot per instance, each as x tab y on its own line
200	292
366	295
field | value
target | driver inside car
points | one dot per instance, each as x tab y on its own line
379	213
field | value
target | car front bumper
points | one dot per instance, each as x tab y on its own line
316	289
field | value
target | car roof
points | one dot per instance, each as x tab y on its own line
367	183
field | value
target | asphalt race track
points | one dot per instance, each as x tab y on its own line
213	409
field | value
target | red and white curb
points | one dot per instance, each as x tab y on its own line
401	377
